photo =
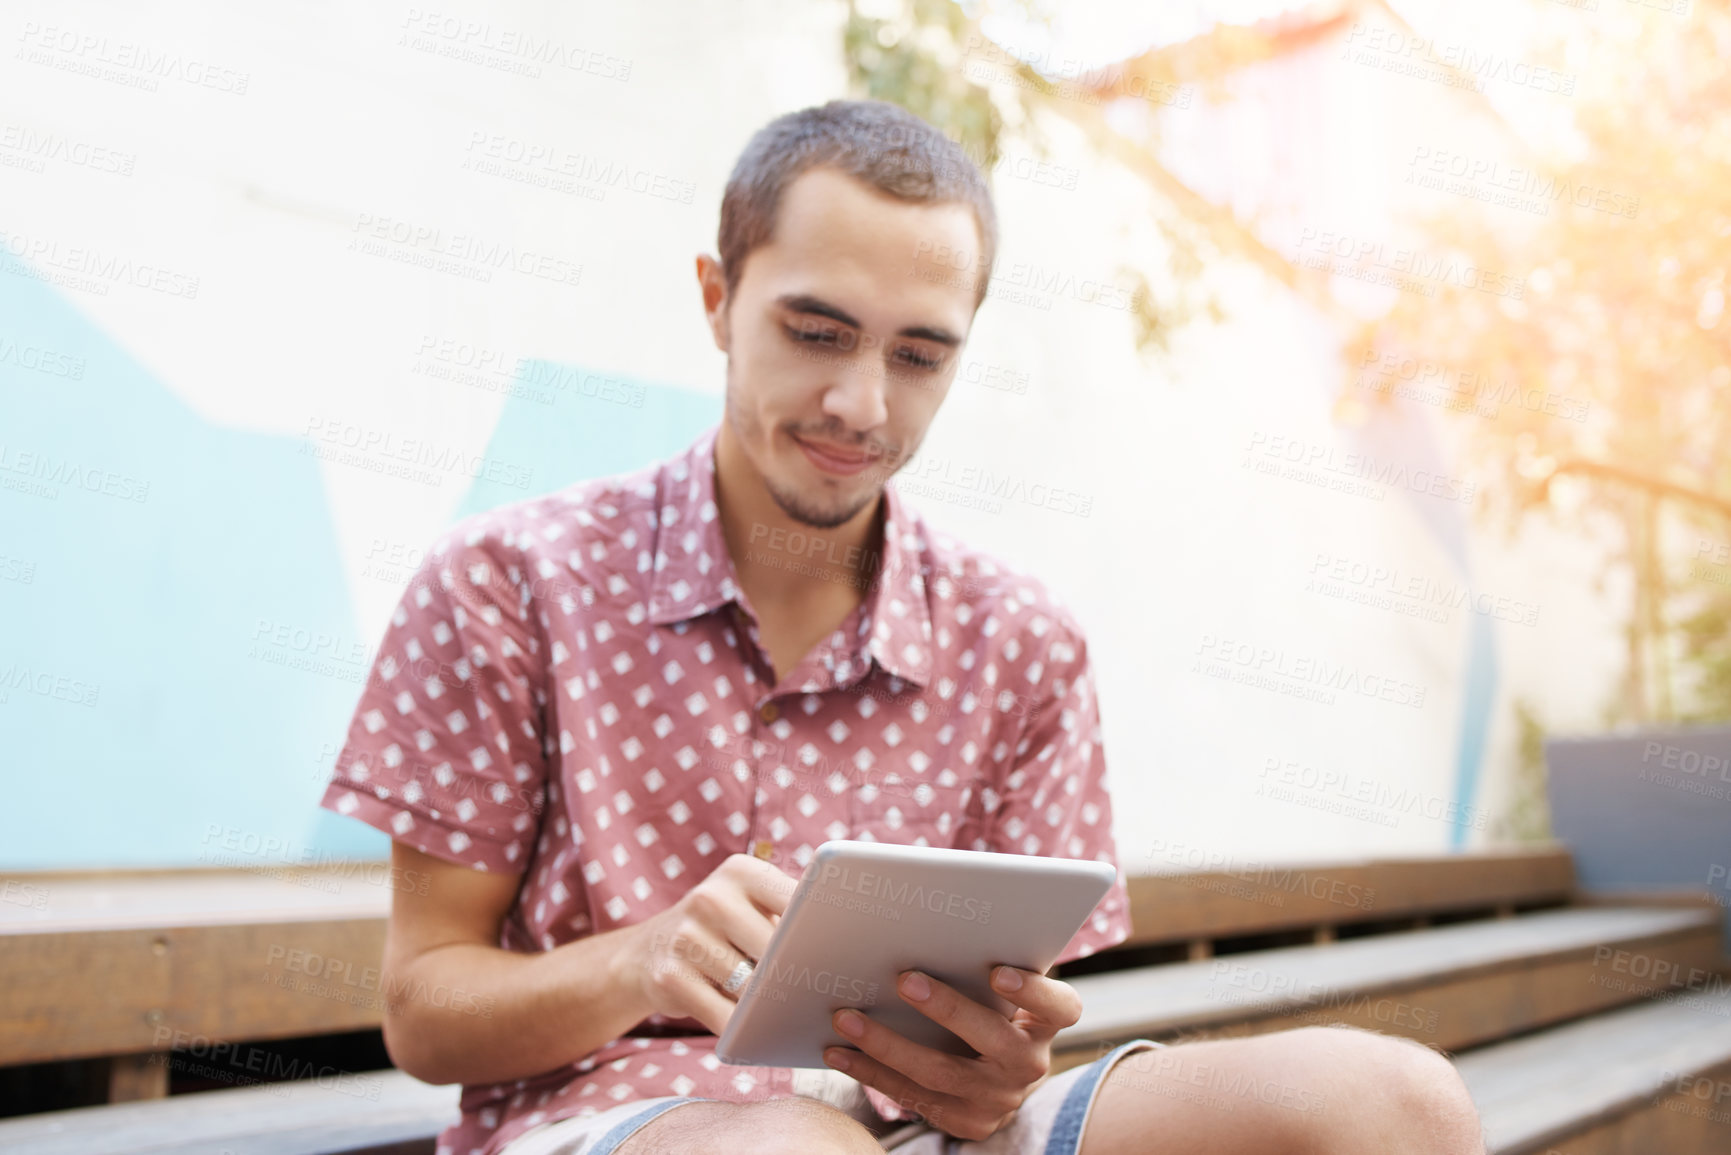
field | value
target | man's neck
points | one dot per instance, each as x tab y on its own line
781	561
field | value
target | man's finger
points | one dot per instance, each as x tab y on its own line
936	1109
709	1006
981	1027
698	955
764	883
1053	1002
929	1068
746	927
686	986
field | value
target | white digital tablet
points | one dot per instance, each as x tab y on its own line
866	911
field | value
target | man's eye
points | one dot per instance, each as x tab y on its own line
817	336
918	360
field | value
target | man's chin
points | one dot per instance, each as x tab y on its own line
830	515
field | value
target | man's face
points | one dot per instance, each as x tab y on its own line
842	337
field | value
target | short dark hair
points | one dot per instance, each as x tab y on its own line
881	144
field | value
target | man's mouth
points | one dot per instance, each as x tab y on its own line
832	459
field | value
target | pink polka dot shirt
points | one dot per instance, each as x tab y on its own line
572	690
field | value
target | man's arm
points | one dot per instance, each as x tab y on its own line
448	752
462	1010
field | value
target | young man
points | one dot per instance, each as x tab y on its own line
610	725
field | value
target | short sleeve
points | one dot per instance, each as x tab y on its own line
447	749
1054	800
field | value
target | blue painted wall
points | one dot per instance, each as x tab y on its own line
141	547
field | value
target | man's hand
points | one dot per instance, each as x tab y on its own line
966	1098
676	962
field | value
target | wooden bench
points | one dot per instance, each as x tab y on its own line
298	1118
1200	908
1628	1080
118	965
1450	987
1460	953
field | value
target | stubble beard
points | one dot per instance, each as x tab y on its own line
795	503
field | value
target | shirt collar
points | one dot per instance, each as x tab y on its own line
694	573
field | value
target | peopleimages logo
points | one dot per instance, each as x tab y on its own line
1399	267
1719	875
778	978
1687	760
904	893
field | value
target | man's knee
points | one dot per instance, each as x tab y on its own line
790	1126
1408	1067
1416	1085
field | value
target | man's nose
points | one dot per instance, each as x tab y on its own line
857	395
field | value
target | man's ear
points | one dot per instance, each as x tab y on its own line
713	284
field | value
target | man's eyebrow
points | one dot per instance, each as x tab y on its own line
806	303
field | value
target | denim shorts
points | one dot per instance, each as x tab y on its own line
1049	1121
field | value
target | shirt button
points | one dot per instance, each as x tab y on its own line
768	712
763	848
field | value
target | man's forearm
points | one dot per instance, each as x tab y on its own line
468	1013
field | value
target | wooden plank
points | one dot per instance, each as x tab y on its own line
135	1077
1448	986
1628	1080
1453	1014
370	1111
1678	1125
1178	906
1645	896
71	995
99	963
